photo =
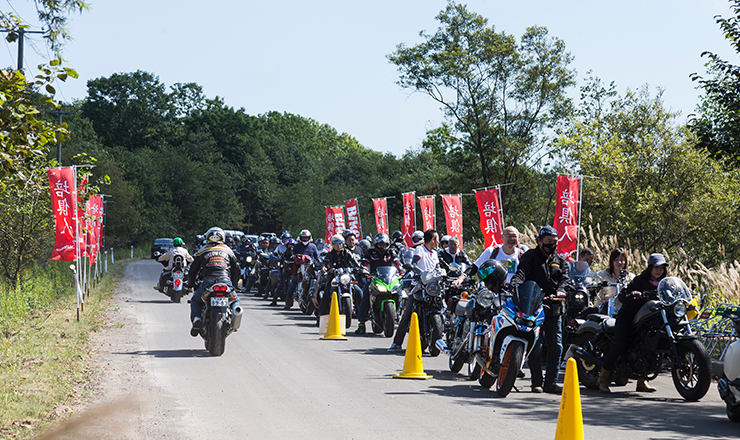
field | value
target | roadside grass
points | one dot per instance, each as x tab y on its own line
44	350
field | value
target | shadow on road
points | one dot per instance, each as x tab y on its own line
179	353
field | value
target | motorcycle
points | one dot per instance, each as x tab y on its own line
220	316
471	316
385	294
660	332
306	283
262	272
342	283
247	262
178	275
729	384
275	263
428	304
511	337
581	291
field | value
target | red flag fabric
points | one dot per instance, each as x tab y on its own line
81	217
491	220
452	205
380	209
409	217
94	210
567	191
353	217
334	221
63	202
427	212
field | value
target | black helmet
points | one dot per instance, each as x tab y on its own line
493	274
397	235
382	238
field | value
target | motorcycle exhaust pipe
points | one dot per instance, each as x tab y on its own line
579	353
442	346
236	318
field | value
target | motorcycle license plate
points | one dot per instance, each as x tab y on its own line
219	301
177	280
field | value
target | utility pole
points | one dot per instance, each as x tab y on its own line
21	36
59	146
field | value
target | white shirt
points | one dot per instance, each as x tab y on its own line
510	262
428	260
176	250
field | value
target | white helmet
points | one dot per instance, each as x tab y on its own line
417	237
215	235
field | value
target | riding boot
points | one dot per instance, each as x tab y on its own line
603	381
643	387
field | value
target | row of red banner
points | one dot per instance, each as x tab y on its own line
72	219
567	215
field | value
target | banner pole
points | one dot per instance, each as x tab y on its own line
580	200
500	206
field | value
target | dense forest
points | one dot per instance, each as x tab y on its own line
179	162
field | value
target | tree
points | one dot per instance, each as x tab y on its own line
653	186
717	125
497	95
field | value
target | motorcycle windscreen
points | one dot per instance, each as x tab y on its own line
527	297
672	289
386	273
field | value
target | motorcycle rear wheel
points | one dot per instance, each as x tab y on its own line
734	416
389	323
692	371
509	368
175	296
216	336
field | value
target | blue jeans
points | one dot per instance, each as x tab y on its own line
553	336
196	302
364	308
291	289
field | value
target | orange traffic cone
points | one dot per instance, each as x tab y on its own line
333	330
412	365
570	419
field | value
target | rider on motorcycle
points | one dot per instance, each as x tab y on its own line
425	259
338	257
453	254
380	255
178	248
397	242
287	258
303	247
632	300
213	263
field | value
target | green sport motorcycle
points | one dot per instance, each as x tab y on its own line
385	295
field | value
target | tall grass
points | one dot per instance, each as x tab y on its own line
719	284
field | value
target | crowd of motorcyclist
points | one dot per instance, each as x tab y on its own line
237	261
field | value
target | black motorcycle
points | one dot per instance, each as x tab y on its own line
428	304
178	275
263	272
582	291
247	261
220	316
660	332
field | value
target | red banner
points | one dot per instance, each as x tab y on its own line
452	205
567	193
353	217
94	210
427	212
63	202
380	209
491	218
334	221
409	217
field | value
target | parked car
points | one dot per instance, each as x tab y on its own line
161	245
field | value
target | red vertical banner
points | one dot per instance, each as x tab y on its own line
452	205
353	217
334	221
567	193
491	218
409	217
426	204
89	238
63	203
81	217
380	208
94	211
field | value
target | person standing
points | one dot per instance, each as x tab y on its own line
549	270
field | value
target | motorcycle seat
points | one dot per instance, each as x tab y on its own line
608	325
597	317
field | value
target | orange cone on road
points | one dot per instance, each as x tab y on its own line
333	330
570	419
412	365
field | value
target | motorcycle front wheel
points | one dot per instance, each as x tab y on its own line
486	380
436	334
509	368
473	370
389	323
692	371
347	310
456	364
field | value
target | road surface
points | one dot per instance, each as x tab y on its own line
278	380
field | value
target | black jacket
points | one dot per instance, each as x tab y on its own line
334	260
640	283
377	259
214	262
460	258
549	272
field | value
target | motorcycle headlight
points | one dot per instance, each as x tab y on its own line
249	259
525	322
434	289
380	288
579	298
679	309
344	278
485	298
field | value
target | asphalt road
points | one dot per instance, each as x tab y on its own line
277	379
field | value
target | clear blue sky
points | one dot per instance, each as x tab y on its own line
326	60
